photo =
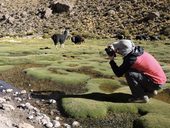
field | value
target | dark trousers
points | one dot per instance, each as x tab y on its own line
140	84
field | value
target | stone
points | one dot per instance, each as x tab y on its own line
25	125
8	107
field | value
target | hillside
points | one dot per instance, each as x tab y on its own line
90	18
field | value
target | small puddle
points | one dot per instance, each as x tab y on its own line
5	86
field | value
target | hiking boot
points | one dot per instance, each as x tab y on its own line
144	99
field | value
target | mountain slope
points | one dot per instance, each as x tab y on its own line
90	18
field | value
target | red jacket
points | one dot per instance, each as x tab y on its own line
149	66
142	62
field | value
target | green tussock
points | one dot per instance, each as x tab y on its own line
81	109
63	78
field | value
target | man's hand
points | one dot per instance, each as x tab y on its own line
110	50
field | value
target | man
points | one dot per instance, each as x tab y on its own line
142	71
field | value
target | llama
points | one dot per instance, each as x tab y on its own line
120	36
77	39
60	38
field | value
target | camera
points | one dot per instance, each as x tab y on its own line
110	51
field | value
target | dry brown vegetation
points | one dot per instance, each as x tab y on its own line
99	19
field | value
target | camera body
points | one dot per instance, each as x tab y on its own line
110	51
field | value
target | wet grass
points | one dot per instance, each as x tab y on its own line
82	82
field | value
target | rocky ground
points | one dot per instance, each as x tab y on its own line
89	18
12	116
17	111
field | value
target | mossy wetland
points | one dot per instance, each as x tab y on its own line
80	79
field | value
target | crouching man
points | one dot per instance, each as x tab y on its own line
142	71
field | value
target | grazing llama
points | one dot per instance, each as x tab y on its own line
77	39
60	38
